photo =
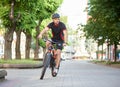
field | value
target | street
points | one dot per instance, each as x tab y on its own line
72	73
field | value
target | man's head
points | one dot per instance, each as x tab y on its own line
56	18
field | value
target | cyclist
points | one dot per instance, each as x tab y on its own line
59	34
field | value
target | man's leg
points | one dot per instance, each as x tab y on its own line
58	58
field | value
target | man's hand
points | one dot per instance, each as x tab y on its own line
39	36
42	32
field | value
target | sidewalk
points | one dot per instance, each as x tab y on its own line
73	73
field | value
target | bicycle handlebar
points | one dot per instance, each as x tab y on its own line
50	41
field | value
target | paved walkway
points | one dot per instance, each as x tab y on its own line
73	73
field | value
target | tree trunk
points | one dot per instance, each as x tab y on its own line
9	34
102	53
17	48
36	51
115	52
8	43
27	46
108	46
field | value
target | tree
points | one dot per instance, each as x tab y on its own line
20	19
9	21
25	24
104	21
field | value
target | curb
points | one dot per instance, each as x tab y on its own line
111	65
21	66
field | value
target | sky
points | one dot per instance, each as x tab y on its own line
74	9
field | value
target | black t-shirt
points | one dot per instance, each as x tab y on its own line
57	31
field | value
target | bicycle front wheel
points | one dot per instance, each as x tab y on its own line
46	63
53	64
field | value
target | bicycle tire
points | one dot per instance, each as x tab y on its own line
43	72
52	67
45	64
52	71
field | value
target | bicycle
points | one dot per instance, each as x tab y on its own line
49	59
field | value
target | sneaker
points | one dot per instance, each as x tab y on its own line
55	70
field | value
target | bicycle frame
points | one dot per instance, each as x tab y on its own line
51	48
49	59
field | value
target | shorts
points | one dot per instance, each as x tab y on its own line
59	44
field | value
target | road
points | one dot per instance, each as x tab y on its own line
73	73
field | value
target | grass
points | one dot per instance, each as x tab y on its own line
97	61
22	61
105	62
108	63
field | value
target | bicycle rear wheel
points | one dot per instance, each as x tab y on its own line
46	63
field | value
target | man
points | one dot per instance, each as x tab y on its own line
59	33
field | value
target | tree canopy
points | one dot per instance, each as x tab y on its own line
104	20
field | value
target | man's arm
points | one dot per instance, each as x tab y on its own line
65	36
42	32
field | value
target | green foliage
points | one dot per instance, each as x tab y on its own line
26	22
27	15
4	10
104	20
29	11
45	8
64	19
105	62
42	43
24	9
23	61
